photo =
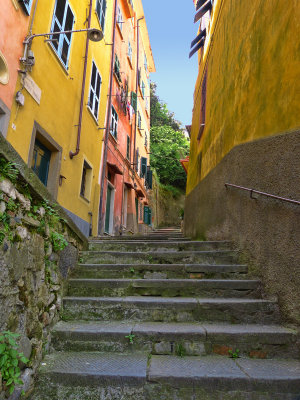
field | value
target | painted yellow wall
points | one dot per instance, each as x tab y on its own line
58	112
253	81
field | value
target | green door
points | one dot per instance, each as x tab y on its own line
107	212
41	161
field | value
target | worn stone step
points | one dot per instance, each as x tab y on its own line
260	341
86	375
142	246
160	271
141	237
170	309
206	378
156	257
165	287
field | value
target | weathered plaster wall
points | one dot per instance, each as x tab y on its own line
253	86
32	269
267	230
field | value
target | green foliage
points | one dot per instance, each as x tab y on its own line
132	270
11	205
5	227
8	170
58	241
130	337
9	360
234	353
168	144
180	350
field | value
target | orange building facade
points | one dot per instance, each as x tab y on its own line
128	177
14	17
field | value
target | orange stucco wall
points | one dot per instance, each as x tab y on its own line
13	28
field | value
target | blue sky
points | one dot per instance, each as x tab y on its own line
171	30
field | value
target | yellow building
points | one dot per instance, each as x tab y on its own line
244	166
248	85
57	121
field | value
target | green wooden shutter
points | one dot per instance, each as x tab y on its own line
134	101
146	214
143	166
149	216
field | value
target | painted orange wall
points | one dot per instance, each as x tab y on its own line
14	24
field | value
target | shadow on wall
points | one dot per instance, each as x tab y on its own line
266	230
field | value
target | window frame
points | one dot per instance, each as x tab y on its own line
139	120
120	20
129	53
143	87
114	123
62	37
128	148
102	12
27	7
86	180
93	91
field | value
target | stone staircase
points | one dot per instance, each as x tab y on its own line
157	317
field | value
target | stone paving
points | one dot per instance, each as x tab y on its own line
161	317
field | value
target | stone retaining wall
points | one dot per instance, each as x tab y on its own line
39	244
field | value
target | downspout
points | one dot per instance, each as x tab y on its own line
101	215
136	89
71	153
30	31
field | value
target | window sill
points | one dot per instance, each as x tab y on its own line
53	49
119	29
85	199
114	139
119	82
130	62
92	115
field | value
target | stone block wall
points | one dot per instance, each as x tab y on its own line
39	245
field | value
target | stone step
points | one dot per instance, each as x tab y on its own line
156	257
91	375
160	271
165	287
94	376
210	378
258	341
142	246
171	309
141	237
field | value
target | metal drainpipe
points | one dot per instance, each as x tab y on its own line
101	216
71	153
136	89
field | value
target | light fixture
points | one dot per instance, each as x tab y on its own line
95	35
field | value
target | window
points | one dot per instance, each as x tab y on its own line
63	20
101	10
128	148
141	211
203	107
95	85
145	63
146	140
117	66
143	170
120	19
86	180
129	54
134	100
137	156
147	104
26	5
143	88
131	3
41	161
139	120
114	123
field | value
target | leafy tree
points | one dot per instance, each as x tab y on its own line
168	144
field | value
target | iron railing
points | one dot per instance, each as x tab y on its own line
252	191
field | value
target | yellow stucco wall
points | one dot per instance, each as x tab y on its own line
58	111
253	79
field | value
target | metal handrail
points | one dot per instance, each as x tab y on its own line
262	193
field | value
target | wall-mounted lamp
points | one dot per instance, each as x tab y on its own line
95	35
